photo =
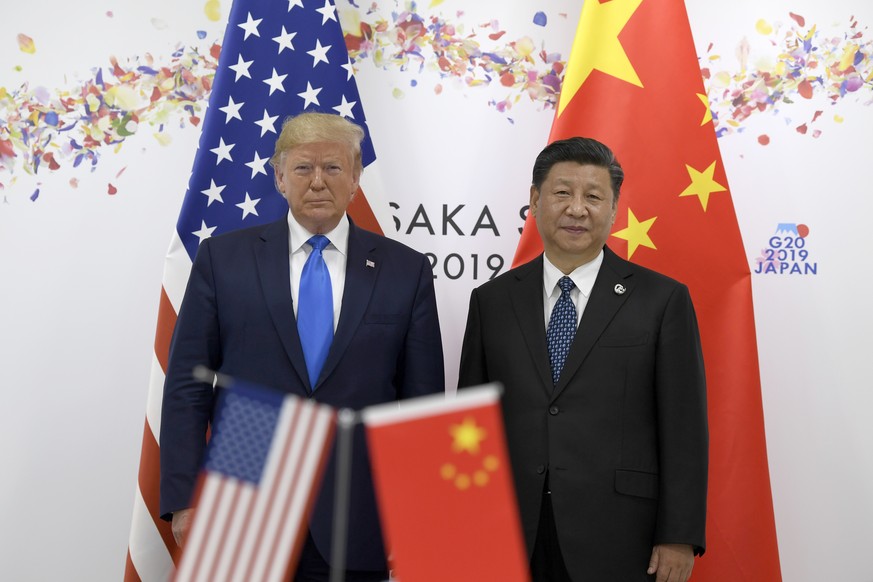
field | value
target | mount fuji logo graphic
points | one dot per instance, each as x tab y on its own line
787	252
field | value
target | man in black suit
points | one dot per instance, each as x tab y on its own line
380	340
605	396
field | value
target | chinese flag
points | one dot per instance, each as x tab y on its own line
633	82
444	487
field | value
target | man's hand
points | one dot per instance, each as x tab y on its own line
181	525
671	562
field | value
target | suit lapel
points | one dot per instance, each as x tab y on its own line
275	276
602	306
362	268
527	303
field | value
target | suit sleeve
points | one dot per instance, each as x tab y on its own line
683	438
473	370
422	371
187	404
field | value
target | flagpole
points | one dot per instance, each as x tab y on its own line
346	419
204	374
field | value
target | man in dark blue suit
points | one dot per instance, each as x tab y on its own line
240	317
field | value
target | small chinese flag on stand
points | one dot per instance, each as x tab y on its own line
444	487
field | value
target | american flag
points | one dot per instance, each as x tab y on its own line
262	465
278	58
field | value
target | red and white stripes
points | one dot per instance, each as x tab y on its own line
244	531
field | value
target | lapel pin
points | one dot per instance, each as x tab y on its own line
371	264
620	289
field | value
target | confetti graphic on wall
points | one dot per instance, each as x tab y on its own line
807	62
43	129
474	55
48	129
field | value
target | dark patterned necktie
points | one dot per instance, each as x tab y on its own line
315	309
562	328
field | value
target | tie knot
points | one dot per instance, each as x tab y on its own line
566	284
318	242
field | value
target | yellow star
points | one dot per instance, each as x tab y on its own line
636	233
702	184
596	46
467	436
708	115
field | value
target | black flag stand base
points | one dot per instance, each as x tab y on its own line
346	420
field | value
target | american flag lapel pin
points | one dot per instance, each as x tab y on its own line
371	264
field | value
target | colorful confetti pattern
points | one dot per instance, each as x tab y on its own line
50	129
41	128
475	55
809	64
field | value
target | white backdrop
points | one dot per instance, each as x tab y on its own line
80	269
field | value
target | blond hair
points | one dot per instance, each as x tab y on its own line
318	127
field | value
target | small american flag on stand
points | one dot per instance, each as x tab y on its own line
278	58
262	467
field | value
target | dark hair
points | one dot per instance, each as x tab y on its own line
582	150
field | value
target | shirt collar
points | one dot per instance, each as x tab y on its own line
583	276
338	237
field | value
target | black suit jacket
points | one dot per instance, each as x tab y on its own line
623	436
237	317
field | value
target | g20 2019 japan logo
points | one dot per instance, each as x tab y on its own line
787	252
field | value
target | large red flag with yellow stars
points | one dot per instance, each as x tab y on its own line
633	82
445	491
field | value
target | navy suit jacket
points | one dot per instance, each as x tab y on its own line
237	318
622	436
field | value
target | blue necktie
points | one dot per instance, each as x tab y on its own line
562	328
315	309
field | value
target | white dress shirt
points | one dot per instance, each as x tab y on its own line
335	255
583	277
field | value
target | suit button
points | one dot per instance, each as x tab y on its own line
553	410
541	469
